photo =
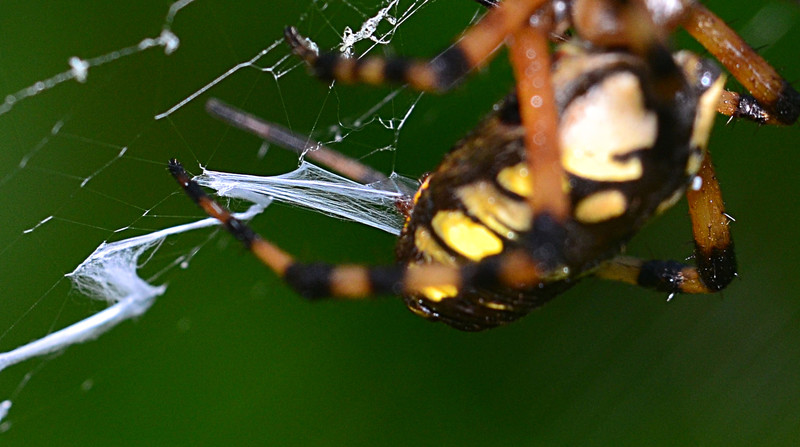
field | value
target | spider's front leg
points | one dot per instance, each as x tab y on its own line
319	280
714	255
441	73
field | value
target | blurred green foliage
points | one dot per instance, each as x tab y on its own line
230	356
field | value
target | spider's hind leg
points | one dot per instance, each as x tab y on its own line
772	99
714	254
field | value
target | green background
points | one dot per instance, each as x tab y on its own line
230	356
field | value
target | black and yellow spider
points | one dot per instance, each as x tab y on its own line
602	133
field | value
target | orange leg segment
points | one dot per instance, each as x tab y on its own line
714	255
774	101
320	280
713	242
530	57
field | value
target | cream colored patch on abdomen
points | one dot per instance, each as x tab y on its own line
601	206
607	123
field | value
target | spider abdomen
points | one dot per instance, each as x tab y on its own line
628	154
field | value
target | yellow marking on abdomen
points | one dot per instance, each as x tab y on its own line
436	293
430	249
604	125
495	305
501	213
465	236
669	201
439	293
516	179
601	206
703	122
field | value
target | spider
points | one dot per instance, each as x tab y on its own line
601	134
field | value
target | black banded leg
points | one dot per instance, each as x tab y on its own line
737	105
275	258
318	280
442	72
714	255
323	280
779	102
663	276
713	242
311	280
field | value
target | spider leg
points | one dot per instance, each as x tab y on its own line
713	243
737	105
714	255
304	146
773	100
663	276
530	59
442	72
318	280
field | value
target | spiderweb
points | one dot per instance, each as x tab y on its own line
88	204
